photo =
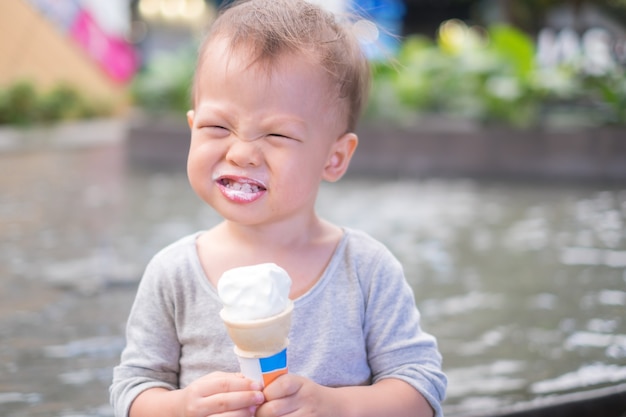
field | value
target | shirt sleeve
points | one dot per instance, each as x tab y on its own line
151	356
397	345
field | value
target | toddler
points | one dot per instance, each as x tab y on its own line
278	90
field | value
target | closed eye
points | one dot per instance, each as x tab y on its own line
281	136
215	130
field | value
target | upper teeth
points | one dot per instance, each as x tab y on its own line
243	187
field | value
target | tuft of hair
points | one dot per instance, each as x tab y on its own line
267	29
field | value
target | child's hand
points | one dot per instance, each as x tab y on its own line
220	392
297	396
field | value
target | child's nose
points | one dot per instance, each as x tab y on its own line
243	152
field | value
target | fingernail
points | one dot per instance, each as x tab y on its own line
259	397
255	386
252	410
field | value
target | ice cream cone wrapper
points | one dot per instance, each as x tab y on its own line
262	370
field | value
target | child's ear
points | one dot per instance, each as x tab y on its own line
190	116
339	157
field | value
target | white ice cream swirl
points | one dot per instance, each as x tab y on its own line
254	292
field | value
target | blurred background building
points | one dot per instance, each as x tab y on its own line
80	43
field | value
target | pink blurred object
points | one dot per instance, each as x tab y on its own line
116	56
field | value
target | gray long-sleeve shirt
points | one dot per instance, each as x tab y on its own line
357	325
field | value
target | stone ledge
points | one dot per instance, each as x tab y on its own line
436	149
597	154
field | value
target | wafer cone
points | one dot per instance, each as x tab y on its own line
263	337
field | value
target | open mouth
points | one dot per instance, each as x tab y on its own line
241	190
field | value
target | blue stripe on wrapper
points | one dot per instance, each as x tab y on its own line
274	366
275	362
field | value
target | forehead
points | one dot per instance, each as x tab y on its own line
248	56
220	57
222	62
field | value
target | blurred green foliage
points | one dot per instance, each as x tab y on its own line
488	76
491	77
164	85
22	104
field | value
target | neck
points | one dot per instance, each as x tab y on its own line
277	236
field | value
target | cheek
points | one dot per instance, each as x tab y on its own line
193	164
200	161
196	176
202	152
299	175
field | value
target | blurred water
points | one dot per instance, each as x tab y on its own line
524	285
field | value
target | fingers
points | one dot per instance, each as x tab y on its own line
245	401
284	386
222	393
221	382
281	396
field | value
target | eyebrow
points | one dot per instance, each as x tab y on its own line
284	119
272	118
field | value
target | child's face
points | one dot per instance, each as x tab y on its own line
262	143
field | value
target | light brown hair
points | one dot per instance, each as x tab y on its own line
267	29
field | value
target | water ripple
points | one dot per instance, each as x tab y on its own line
96	346
586	376
461	304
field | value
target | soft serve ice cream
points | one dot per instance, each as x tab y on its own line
254	292
257	315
